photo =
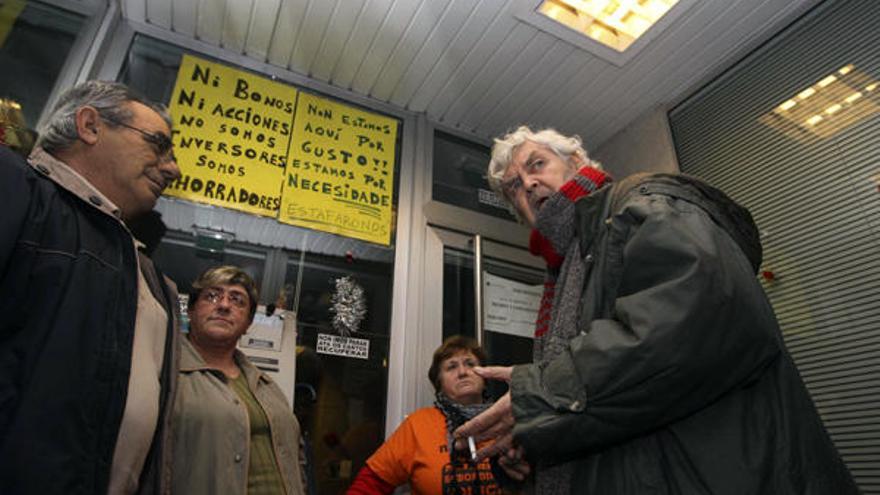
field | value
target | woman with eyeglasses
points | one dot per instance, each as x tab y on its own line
234	431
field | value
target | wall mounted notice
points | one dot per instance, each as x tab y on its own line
340	170
511	306
337	345
232	130
278	359
265	332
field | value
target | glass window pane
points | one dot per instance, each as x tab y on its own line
32	54
179	258
151	66
458	293
345	422
458	304
460	176
340	404
459	312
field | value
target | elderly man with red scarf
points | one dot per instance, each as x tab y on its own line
659	366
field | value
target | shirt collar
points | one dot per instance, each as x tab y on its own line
191	360
69	179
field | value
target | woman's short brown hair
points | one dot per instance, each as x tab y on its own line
450	347
225	275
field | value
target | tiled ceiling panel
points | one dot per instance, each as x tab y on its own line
473	65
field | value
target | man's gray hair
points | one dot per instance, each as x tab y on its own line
505	147
107	97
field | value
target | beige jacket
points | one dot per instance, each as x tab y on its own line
212	433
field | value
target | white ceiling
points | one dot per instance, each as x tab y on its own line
472	65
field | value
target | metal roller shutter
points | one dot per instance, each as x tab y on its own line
769	134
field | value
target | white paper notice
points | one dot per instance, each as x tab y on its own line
511	307
343	346
270	344
264	333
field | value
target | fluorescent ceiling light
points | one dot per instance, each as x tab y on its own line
787	105
614	23
831	104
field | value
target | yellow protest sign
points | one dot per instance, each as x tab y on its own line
340	170
9	11
231	134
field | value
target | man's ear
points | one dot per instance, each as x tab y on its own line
577	160
87	123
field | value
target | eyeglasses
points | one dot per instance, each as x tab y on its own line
238	299
159	140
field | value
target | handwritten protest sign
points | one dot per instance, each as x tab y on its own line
340	170
9	12
232	130
329	167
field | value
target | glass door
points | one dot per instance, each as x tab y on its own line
497	304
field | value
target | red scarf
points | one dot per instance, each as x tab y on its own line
587	180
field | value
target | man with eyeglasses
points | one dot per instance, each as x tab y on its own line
659	366
88	343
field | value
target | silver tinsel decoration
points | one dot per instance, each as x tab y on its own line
348	306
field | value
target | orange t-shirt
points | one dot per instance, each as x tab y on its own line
418	453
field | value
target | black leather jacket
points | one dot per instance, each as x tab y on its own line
679	381
68	300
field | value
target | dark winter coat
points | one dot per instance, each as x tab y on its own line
679	381
68	300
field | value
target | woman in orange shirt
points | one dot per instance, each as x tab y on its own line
420	452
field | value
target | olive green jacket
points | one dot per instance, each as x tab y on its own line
212	431
678	381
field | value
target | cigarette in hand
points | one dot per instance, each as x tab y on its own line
473	447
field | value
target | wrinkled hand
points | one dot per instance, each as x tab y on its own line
494	423
514	464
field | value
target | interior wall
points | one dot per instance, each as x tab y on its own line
645	145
